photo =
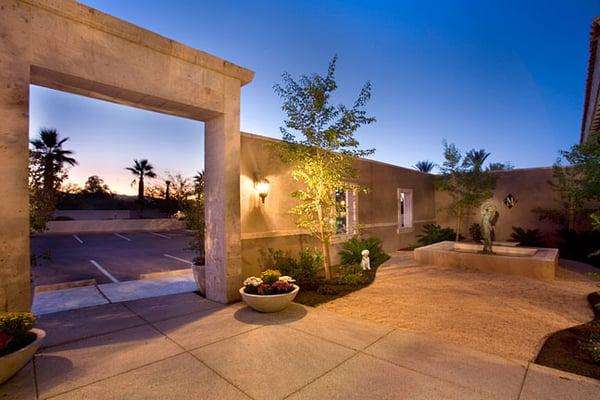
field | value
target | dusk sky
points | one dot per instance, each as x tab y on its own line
505	76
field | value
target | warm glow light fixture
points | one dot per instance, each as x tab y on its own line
262	187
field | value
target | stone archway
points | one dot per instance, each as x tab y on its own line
67	46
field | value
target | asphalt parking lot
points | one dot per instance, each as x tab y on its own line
109	257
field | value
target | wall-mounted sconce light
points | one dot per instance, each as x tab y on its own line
262	187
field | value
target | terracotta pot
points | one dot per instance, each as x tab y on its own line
269	303
199	277
11	363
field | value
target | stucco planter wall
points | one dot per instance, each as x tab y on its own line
11	363
269	303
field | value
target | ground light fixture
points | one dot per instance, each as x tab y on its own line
262	187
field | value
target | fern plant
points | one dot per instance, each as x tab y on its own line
351	251
527	237
433	233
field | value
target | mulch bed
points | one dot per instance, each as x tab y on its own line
323	291
562	349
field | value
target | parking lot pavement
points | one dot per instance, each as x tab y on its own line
108	257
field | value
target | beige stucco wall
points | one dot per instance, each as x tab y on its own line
270	224
530	187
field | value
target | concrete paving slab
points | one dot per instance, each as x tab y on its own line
176	378
68	326
21	386
63	368
139	289
365	377
164	307
194	330
273	361
66	299
542	383
355	334
485	373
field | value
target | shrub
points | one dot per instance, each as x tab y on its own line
434	233
475	232
527	237
352	274
351	251
580	245
304	269
14	331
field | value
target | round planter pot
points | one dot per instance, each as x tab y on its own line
269	303
11	363
199	276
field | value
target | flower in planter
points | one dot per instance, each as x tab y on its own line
281	286
264	289
270	275
251	284
270	282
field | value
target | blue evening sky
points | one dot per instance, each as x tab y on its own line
505	76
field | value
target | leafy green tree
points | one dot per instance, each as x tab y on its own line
465	180
585	159
425	166
181	189
577	183
96	186
322	157
141	169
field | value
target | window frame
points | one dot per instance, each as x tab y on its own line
405	224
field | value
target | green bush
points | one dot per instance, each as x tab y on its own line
304	269
580	246
475	232
351	251
527	237
434	233
351	274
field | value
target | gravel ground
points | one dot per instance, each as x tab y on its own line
506	315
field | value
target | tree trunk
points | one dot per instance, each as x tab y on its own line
141	190
324	244
571	218
458	218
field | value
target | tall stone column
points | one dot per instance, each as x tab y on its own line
14	194
222	205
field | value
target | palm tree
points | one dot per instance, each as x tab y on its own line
199	183
47	149
474	159
141	169
425	166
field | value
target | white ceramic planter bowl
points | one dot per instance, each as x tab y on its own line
11	363
270	303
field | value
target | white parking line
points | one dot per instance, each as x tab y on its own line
160	235
178	259
78	239
105	272
122	237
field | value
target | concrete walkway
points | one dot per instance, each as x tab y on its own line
87	296
185	347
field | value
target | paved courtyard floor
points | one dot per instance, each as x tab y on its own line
506	315
186	347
